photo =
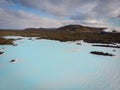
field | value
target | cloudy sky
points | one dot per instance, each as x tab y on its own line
19	14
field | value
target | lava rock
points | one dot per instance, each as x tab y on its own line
114	50
101	53
1	53
78	43
111	46
12	61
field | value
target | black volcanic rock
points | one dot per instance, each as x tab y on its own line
1	53
114	50
78	43
111	46
101	53
12	61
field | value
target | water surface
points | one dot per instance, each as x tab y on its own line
53	65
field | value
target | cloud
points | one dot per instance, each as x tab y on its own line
88	12
56	7
107	8
21	19
69	7
4	3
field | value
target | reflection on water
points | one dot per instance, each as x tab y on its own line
53	65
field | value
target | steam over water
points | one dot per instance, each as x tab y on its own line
53	65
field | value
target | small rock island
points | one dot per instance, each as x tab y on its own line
1	53
101	53
12	61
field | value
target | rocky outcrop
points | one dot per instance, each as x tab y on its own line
12	61
101	53
1	53
111	46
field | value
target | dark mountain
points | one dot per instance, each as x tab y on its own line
80	28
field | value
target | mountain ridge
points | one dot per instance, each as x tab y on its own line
71	28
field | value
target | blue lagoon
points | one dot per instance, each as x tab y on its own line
52	65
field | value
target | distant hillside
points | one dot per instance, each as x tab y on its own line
35	29
38	29
80	28
71	28
67	33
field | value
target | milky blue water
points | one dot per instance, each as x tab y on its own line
53	65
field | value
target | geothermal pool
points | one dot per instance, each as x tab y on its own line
52	65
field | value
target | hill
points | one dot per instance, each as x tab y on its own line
72	28
67	33
80	28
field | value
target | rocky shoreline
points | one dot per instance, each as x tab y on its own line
65	33
4	41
